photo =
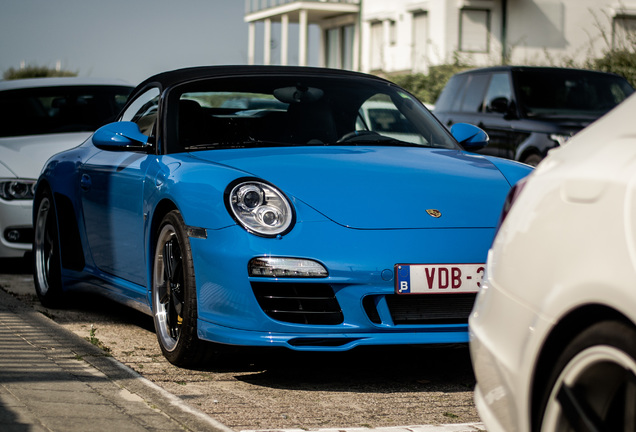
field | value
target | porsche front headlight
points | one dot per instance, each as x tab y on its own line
260	208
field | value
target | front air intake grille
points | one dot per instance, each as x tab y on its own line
430	308
299	303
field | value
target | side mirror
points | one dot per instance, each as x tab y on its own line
120	136
470	137
499	105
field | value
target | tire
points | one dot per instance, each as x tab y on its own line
174	301
47	268
593	386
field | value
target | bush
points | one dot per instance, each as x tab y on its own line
32	71
428	87
621	62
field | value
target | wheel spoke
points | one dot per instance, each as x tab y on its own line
173	320
47	251
168	261
162	290
578	411
178	303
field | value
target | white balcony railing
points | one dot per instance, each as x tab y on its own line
259	5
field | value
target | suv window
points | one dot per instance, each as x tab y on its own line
545	92
464	92
475	89
499	88
47	110
450	92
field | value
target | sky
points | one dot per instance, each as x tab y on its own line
126	39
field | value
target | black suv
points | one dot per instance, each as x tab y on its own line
526	111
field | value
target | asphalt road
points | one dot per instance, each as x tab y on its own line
259	389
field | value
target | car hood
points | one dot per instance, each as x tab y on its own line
25	156
380	187
571	123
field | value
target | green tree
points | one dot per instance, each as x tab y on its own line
33	71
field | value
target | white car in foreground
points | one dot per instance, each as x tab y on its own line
41	117
553	330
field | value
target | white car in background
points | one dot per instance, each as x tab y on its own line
383	117
41	117
553	330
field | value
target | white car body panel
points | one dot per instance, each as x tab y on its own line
25	155
22	157
568	241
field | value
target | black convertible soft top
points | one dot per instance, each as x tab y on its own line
180	76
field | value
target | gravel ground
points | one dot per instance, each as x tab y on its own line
259	389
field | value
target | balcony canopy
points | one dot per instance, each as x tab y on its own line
316	10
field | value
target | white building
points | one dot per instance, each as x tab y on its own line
401	36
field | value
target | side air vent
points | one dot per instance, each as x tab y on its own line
299	303
430	309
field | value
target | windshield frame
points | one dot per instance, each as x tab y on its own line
341	104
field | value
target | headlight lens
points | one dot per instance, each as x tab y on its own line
260	208
17	189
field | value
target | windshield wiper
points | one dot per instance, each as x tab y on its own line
254	143
239	144
380	141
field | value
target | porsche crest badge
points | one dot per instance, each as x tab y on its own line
434	213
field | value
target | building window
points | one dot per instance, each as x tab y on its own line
623	32
377	45
333	48
339	47
392	32
348	39
420	41
474	30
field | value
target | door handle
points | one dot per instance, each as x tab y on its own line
85	182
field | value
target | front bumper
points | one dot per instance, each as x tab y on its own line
16	231
361	280
503	353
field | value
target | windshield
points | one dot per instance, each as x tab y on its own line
49	110
302	111
569	92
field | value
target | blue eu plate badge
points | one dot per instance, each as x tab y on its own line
404	279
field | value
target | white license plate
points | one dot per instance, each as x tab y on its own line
438	278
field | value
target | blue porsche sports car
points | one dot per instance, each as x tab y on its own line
265	206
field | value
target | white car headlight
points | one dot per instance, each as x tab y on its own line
17	189
260	208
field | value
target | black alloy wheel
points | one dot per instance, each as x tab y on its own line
593	386
47	268
174	294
